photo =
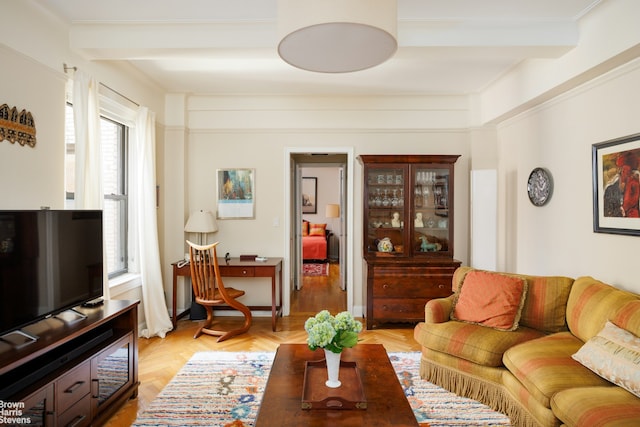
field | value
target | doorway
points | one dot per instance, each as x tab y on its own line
336	287
321	282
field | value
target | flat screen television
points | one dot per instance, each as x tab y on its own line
50	261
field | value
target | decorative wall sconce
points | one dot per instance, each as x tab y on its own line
17	126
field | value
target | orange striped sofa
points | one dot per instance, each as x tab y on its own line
530	373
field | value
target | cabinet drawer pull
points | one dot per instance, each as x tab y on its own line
441	286
76	421
386	286
95	389
74	387
244	272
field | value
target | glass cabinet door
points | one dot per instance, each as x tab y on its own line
37	408
112	371
430	217
386	209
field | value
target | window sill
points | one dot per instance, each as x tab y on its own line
124	283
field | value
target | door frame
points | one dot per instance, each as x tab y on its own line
290	225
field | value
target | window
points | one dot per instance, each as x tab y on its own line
114	140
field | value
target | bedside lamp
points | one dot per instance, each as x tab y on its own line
332	211
201	222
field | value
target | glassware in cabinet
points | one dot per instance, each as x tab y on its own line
385	214
431	210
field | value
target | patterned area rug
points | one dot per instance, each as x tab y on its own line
225	389
315	269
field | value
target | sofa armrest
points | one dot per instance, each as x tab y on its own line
438	310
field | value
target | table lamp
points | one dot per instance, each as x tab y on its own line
332	211
201	222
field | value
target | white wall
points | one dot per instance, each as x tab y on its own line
328	192
211	149
609	37
32	177
558	238
33	49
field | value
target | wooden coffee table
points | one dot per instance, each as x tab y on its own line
282	400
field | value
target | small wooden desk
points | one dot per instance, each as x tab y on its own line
272	267
282	399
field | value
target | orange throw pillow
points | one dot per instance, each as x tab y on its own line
490	299
305	228
317	229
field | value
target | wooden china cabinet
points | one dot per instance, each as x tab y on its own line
408	234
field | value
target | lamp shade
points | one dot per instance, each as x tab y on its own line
337	36
201	222
332	211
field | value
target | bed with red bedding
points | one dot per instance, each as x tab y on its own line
314	242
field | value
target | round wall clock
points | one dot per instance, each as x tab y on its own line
539	186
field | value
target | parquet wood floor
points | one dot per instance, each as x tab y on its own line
159	359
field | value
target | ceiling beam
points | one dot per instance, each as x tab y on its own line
100	41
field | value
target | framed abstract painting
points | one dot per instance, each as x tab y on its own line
616	186
236	192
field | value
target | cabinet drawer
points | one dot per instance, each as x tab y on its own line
73	386
415	271
425	287
399	309
233	271
78	415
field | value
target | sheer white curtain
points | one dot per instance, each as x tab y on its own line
88	193
143	212
86	115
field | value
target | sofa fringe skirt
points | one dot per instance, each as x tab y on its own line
464	384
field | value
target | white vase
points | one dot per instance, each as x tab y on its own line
333	368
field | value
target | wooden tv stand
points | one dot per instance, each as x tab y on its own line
78	372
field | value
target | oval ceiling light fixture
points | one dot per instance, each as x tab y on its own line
337	36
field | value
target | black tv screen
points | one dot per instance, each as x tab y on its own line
50	261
